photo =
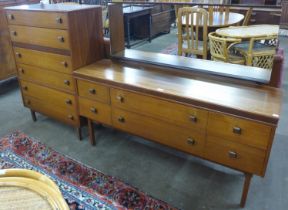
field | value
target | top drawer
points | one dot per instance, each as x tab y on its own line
38	19
239	130
175	113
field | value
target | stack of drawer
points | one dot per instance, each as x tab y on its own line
50	41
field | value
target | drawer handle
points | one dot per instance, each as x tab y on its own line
232	154
14	33
66	82
11	17
121	119
237	130
61	38
94	110
64	63
193	118
68	101
253	13
70	117
59	20
28	102
92	91
25	88
21	70
120	98
252	20
191	141
18	54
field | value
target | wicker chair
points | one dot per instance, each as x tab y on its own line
247	17
191	22
220	49
258	52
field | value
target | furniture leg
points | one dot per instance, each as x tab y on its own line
91	132
79	133
150	26
128	32
33	115
245	189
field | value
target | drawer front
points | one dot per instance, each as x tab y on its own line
46	77
177	114
67	116
49	96
95	110
239	130
93	91
55	62
238	156
53	38
159	131
38	19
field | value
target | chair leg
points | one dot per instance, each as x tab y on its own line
245	189
33	115
91	132
79	133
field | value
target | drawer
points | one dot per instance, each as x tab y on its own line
239	130
53	38
38	19
55	62
159	131
175	113
67	116
238	156
49	96
93	91
46	77
95	110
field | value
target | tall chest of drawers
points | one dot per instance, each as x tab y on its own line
49	42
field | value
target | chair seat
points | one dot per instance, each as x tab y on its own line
258	47
236	59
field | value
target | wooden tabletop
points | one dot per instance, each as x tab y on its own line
254	101
221	19
251	31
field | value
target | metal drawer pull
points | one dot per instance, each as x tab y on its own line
60	38
237	130
193	118
191	141
94	110
14	33
121	119
70	117
64	63
59	20
68	101
11	17
92	91
18	54
66	82
232	154
120	98
25	88
21	70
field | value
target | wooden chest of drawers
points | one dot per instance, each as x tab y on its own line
50	41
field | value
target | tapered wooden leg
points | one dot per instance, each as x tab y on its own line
245	189
91	132
79	133
33	115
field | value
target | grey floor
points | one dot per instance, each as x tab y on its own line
181	180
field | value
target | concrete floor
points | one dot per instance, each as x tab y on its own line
181	180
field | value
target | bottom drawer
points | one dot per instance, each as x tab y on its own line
238	156
159	131
57	112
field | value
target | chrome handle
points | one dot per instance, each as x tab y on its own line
61	38
121	119
66	82
191	141
14	33
21	70
18	54
68	101
120	98
232	154
70	117
94	110
237	130
92	91
59	20
193	118
11	17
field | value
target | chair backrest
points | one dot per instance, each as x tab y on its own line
192	23
215	6
247	17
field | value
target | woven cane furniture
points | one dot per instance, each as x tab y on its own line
49	42
27	189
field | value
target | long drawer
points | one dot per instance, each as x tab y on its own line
159	131
239	130
67	116
94	110
235	155
49	96
55	62
49	78
38	19
178	114
53	38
